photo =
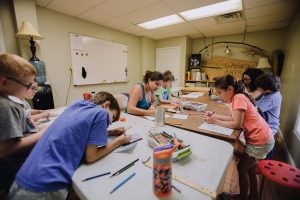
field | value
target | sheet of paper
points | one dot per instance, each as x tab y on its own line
193	95
215	128
127	147
153	118
180	116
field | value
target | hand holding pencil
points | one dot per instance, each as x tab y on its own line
208	117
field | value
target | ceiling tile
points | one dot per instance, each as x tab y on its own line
147	14
224	29
258	3
68	7
175	28
90	2
116	23
200	23
269	19
95	16
272	9
132	29
268	26
121	7
183	5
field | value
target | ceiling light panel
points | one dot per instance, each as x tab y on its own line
213	10
161	22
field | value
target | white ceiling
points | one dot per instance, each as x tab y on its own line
123	15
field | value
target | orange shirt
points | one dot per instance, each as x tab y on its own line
256	129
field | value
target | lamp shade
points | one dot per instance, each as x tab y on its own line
27	31
263	63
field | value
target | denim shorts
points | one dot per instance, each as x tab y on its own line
17	192
260	151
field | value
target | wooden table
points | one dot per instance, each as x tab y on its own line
195	119
206	166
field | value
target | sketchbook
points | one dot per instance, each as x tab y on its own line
216	128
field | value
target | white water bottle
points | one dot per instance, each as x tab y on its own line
160	116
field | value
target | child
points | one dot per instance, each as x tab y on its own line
31	115
249	77
163	94
142	97
258	135
16	78
79	133
268	85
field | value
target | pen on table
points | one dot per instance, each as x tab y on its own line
131	142
122	183
95	176
175	188
124	168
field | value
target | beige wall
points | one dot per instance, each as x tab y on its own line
55	27
8	26
148	54
290	89
275	40
176	41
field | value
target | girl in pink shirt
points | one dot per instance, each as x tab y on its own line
258	135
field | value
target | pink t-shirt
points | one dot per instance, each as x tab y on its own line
256	130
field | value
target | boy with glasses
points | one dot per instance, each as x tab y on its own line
16	77
31	115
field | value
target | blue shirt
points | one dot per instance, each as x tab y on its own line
57	155
270	105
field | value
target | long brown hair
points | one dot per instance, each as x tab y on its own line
239	88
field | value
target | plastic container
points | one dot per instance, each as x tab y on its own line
160	116
162	171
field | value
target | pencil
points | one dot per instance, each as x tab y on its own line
124	168
173	123
122	183
175	188
95	176
211	114
153	137
131	142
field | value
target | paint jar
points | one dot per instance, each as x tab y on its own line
162	171
160	116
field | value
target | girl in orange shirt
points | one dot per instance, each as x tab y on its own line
258	135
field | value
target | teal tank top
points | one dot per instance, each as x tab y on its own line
143	104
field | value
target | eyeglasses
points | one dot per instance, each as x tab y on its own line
34	89
28	86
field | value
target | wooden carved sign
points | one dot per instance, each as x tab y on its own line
220	66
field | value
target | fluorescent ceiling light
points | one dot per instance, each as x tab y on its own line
213	10
160	22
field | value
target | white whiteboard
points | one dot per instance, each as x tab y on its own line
97	61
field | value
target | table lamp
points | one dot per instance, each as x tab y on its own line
263	63
27	32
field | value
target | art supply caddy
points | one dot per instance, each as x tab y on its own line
164	139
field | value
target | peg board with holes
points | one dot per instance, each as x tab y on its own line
219	66
96	61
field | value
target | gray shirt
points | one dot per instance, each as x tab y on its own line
12	121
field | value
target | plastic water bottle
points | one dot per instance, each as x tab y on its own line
160	116
162	172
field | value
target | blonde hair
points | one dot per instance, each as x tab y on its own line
14	66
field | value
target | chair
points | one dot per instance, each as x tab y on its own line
279	172
122	100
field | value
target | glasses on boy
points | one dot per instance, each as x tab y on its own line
28	86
